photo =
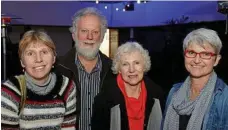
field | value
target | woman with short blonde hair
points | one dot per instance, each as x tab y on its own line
41	98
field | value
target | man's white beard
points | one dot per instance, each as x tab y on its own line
88	53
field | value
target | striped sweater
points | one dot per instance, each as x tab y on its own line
55	110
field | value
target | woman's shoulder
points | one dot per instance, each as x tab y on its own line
222	89
13	81
63	85
153	88
109	83
11	86
174	89
110	92
109	89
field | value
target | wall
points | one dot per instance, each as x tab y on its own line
60	35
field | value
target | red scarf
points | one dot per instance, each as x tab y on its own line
135	107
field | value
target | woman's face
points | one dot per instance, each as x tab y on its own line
199	67
131	68
37	60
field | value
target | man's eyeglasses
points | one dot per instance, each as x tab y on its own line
203	54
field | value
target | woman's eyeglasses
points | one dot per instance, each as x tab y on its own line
203	54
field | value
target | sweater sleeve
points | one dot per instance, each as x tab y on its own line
10	98
70	114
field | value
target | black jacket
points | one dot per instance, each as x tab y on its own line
68	62
112	96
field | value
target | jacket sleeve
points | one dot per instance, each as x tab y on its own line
10	98
222	104
226	112
70	114
100	117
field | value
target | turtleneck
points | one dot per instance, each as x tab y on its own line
40	89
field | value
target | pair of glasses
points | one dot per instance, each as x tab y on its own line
203	54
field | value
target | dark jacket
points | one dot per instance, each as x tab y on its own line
68	62
112	96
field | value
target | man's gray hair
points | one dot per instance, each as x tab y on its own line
89	11
129	47
202	35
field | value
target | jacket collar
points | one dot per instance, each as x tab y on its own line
219	86
69	61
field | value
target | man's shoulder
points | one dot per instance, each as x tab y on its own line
110	90
105	59
63	70
65	61
68	57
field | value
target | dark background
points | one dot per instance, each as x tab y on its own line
164	44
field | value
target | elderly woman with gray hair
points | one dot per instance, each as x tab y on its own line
201	101
130	100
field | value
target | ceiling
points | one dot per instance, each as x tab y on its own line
153	13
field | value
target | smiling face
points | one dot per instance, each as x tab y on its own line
198	67
37	59
131	67
88	36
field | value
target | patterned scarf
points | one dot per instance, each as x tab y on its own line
182	105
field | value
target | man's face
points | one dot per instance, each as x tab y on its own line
88	36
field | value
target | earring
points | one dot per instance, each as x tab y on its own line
53	66
23	69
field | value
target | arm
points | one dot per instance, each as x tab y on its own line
100	118
70	114
223	110
10	98
226	111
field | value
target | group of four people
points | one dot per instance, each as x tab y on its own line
86	90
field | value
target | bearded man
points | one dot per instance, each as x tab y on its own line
89	65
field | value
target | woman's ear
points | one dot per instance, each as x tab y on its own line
22	64
54	58
218	57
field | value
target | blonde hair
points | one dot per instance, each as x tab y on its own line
33	37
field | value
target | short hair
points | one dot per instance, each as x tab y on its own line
89	11
33	37
202	35
129	47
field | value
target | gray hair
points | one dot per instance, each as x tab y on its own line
129	47
202	35
89	11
